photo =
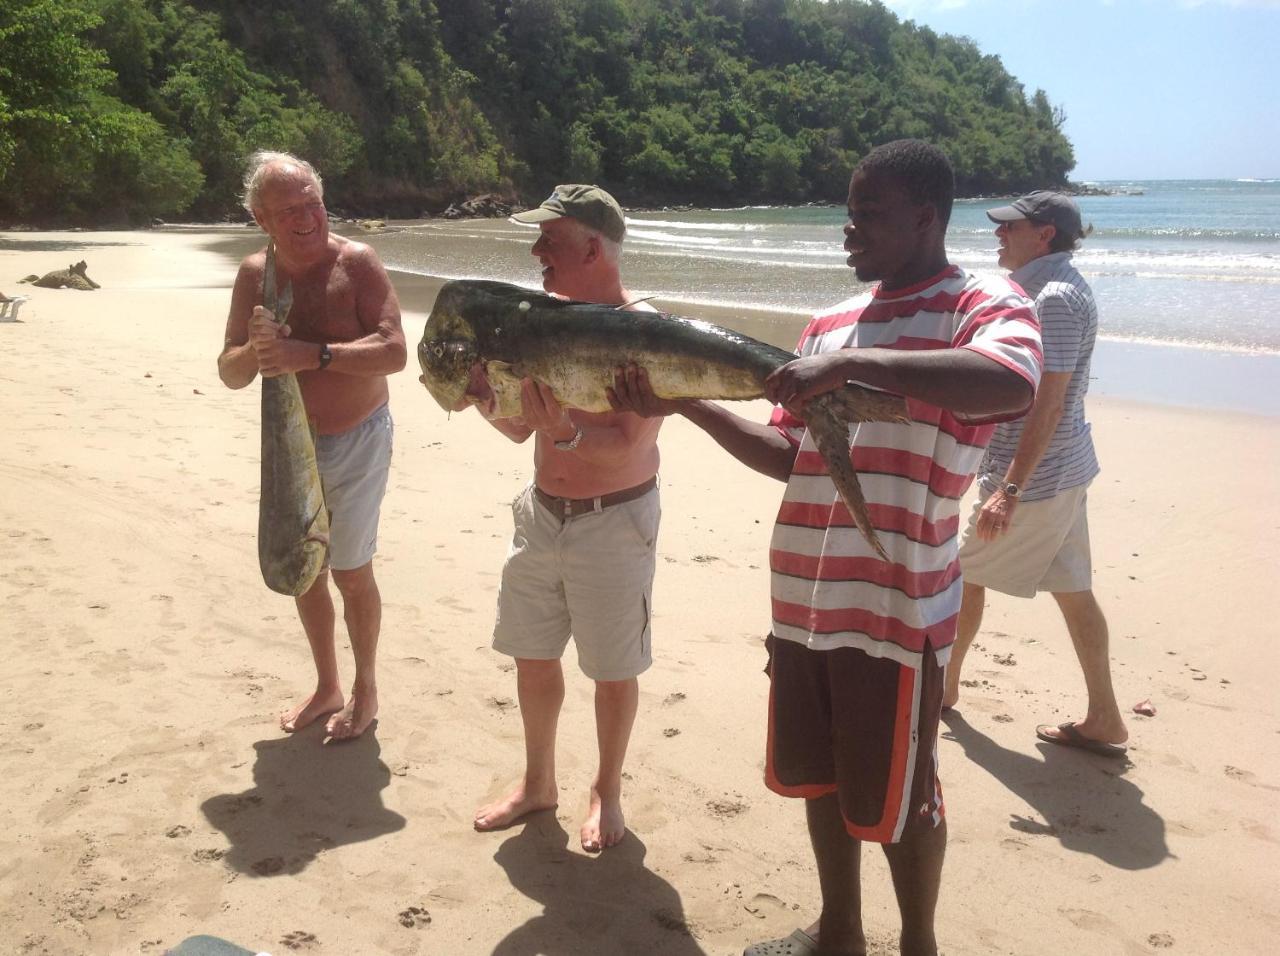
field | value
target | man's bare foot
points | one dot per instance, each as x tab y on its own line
354	719
604	826
310	710
519	802
950	694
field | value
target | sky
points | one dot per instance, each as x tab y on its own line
1152	89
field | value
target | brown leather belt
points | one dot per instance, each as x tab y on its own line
572	507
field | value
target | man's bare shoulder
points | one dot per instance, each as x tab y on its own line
357	257
255	263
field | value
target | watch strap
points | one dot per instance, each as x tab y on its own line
325	356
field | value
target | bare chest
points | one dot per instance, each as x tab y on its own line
325	308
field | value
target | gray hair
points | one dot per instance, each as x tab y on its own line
611	249
256	173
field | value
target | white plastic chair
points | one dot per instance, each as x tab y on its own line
9	307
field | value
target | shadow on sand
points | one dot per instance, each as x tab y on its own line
1083	798
306	798
608	903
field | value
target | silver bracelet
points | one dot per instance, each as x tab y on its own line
572	443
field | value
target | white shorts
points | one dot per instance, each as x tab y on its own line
1045	549
353	472
589	577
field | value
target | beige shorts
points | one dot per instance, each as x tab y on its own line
589	577
1046	549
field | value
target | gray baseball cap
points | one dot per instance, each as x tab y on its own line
1056	209
590	205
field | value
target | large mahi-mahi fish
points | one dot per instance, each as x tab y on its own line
293	523
574	347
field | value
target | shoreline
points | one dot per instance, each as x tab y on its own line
1168	374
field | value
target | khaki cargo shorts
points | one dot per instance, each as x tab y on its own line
589	577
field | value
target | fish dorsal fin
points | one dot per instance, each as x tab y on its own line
627	305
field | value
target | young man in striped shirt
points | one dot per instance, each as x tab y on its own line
1029	531
858	643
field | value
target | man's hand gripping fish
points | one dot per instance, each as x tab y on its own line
575	348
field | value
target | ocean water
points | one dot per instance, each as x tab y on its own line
1194	262
1186	274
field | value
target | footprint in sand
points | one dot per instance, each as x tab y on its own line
269	866
1258	830
1160	940
244	801
671	922
671	732
178	830
414	917
1246	776
299	939
763	905
726	808
673	698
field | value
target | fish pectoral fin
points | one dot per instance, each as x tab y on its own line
831	435
318	530
855	403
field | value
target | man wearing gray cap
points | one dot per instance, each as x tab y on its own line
1029	529
583	555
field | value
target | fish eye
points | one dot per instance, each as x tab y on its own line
439	350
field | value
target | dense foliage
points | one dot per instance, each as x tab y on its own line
120	110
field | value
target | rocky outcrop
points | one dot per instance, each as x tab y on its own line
488	206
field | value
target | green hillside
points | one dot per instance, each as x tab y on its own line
117	111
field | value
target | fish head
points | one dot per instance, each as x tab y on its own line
449	350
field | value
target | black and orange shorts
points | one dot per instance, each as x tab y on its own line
862	727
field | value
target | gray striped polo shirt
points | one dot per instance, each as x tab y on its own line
1069	325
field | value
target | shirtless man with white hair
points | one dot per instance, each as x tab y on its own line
342	340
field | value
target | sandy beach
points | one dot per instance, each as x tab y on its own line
148	794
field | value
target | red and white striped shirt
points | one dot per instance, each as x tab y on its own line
829	588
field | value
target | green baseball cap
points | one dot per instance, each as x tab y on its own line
590	205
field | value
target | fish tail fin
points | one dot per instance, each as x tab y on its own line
831	434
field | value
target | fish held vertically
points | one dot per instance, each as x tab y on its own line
293	522
511	333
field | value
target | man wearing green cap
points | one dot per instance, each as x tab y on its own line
583	555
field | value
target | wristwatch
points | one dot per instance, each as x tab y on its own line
572	443
325	356
1010	489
